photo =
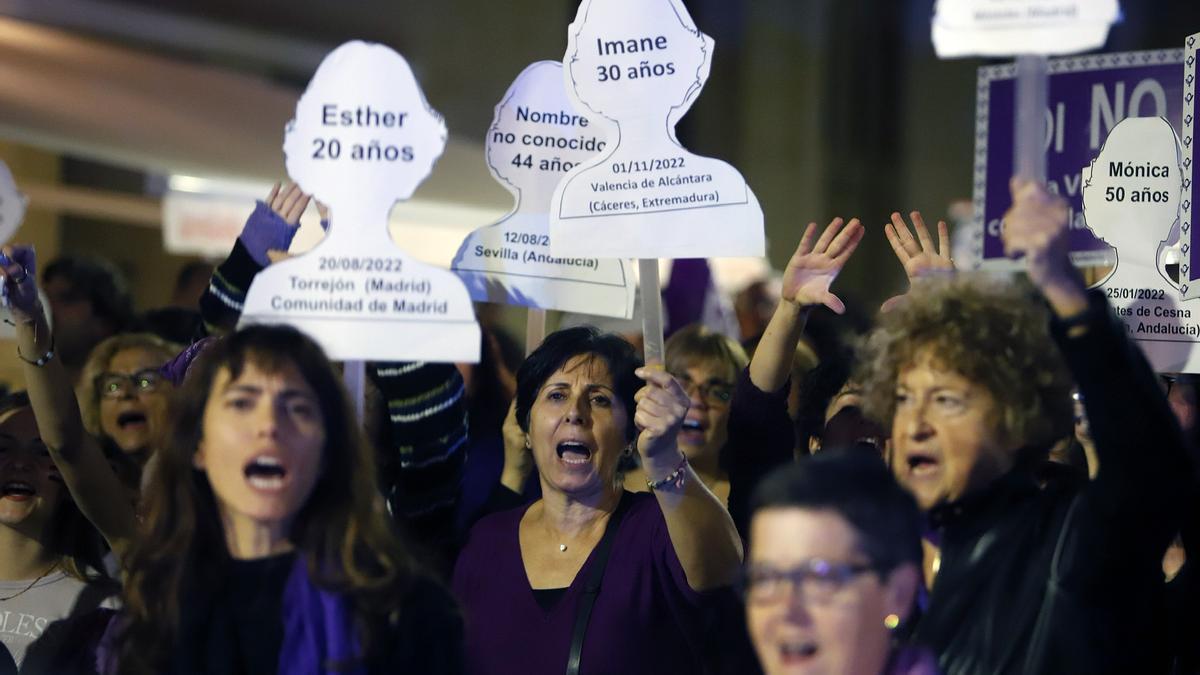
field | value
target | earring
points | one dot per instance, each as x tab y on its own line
891	621
629	450
528	446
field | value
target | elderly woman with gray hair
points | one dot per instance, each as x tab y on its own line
973	376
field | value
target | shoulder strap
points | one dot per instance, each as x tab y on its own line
595	574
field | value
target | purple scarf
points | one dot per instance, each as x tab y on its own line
318	628
318	631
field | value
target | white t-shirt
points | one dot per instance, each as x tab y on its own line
25	617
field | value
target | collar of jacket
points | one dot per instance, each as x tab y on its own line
982	507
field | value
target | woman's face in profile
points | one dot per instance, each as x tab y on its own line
813	603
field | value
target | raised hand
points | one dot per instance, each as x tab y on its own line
817	262
269	231
661	406
1036	227
918	255
288	203
518	458
19	267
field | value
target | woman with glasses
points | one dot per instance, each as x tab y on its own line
123	398
833	569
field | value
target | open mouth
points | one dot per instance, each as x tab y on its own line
573	452
692	432
922	465
794	653
17	490
131	418
265	473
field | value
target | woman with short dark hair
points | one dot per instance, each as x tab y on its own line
591	575
833	568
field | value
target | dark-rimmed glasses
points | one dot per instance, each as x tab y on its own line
118	385
818	580
713	393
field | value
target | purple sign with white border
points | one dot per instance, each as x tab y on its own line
1088	96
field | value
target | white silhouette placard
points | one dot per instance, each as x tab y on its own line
12	204
1131	198
363	138
536	137
639	65
1008	27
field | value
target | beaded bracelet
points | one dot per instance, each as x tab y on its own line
675	478
41	361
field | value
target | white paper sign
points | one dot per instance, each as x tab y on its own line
12	204
640	64
363	138
1131	198
536	137
1009	27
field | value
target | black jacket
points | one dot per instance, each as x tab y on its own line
1068	578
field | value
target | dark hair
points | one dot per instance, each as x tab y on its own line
560	347
858	487
341	531
817	390
100	282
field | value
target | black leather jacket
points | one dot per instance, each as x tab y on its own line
1068	578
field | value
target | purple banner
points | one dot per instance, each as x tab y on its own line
1088	96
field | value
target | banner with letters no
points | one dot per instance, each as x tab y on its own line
1088	96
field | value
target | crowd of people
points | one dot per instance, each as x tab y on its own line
988	479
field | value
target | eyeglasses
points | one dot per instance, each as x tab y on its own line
819	580
117	385
716	394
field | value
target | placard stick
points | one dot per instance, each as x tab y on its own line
1029	158
535	329
353	375
652	312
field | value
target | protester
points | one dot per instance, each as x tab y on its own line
737	426
417	422
89	301
51	473
51	558
123	394
833	569
527	577
966	374
830	414
266	547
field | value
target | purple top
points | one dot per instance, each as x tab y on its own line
644	621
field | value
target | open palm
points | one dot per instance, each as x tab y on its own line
919	256
817	262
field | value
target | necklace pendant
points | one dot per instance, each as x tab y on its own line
562	548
